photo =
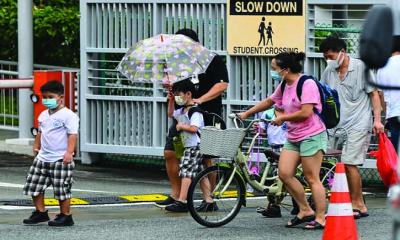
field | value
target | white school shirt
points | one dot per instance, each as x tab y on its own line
189	139
55	129
390	75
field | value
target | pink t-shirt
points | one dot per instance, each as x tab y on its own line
290	103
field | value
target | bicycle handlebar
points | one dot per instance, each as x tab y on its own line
235	118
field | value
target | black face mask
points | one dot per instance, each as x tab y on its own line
376	41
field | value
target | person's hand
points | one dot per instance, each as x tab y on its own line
179	126
35	151
197	101
171	95
277	121
257	127
243	115
378	127
68	157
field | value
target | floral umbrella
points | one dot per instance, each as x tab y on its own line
165	58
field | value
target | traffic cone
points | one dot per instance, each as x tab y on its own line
340	223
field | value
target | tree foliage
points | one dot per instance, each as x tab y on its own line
55	30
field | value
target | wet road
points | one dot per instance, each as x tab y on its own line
144	221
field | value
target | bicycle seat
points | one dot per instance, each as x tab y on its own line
274	156
333	153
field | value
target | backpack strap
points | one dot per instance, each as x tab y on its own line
321	94
193	110
283	86
299	88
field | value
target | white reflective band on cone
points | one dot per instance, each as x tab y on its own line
340	209
340	183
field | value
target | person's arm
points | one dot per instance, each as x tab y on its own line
196	121
377	109
213	93
305	112
261	106
171	107
375	101
171	102
68	156
382	97
36	144
187	128
380	79
279	112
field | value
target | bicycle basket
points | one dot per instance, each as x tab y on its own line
221	143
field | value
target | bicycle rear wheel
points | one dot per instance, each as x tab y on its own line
226	191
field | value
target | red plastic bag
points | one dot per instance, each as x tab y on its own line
386	160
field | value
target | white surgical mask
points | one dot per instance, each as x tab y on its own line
180	101
334	64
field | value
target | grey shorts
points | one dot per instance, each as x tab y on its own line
354	152
43	174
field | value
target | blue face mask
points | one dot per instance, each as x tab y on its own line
275	76
50	103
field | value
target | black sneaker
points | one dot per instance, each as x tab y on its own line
177	206
207	207
272	211
166	202
37	217
62	220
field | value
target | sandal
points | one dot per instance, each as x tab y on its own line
358	214
313	225
296	221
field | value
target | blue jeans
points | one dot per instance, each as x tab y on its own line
393	124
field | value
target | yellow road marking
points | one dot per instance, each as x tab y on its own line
144	198
136	198
74	201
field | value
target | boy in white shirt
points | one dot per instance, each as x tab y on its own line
189	125
54	149
276	136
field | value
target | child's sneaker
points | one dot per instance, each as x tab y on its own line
62	220
165	203
177	206
37	217
207	207
272	211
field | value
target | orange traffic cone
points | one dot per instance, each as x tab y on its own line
340	223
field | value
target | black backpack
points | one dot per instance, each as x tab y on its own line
214	119
330	114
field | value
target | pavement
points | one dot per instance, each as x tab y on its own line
102	217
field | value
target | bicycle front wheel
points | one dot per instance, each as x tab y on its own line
219	185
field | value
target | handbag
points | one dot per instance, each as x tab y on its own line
177	142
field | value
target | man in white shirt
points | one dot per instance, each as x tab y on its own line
390	76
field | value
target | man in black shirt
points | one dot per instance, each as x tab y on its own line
209	88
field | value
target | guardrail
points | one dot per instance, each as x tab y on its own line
9	96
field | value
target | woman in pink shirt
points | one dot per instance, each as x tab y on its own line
306	136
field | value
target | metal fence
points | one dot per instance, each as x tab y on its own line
9	97
121	118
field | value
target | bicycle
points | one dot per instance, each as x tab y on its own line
230	175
